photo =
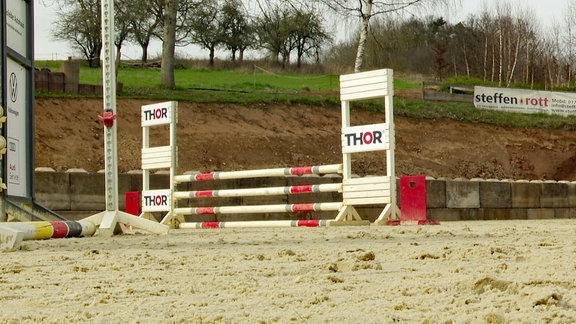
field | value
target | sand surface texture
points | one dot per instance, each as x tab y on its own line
460	272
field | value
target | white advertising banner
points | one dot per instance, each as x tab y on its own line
17	26
525	101
17	129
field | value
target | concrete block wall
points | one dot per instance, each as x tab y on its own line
77	192
480	199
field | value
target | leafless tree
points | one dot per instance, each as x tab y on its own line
236	27
205	28
569	40
365	10
123	28
285	28
79	23
145	21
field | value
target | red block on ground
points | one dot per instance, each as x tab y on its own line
413	199
133	203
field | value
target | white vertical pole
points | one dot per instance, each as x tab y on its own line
346	212
109	92
145	145
112	217
390	156
174	148
346	157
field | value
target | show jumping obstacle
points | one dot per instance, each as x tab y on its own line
380	190
268	191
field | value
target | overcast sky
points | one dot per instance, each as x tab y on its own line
46	48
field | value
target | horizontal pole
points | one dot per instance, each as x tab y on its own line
271	191
248	224
11	234
290	208
279	172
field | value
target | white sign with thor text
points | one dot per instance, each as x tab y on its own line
156	200
157	114
365	138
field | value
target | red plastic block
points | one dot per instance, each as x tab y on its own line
413	199
133	202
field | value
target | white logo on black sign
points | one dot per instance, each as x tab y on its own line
13	87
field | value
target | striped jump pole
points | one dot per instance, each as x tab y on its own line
12	234
290	208
278	172
262	224
271	191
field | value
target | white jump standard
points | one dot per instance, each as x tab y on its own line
366	138
113	218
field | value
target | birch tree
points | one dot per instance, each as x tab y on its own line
569	39
365	10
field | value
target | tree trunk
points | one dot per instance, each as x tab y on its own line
118	58
501	56
466	62
363	36
212	55
514	61
144	58
485	58
169	44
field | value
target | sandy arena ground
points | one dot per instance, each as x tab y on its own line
457	272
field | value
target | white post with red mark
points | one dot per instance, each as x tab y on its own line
112	217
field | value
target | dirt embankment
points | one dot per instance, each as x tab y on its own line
233	137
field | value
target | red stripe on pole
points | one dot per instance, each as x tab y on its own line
204	177
301	170
309	223
60	229
204	193
210	225
205	210
301	189
302	208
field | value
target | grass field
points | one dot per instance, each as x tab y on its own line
248	78
252	84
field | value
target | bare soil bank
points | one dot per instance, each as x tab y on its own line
215	136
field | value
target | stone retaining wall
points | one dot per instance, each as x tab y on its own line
76	192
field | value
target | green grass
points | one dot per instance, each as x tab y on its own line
248	79
251	86
219	79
